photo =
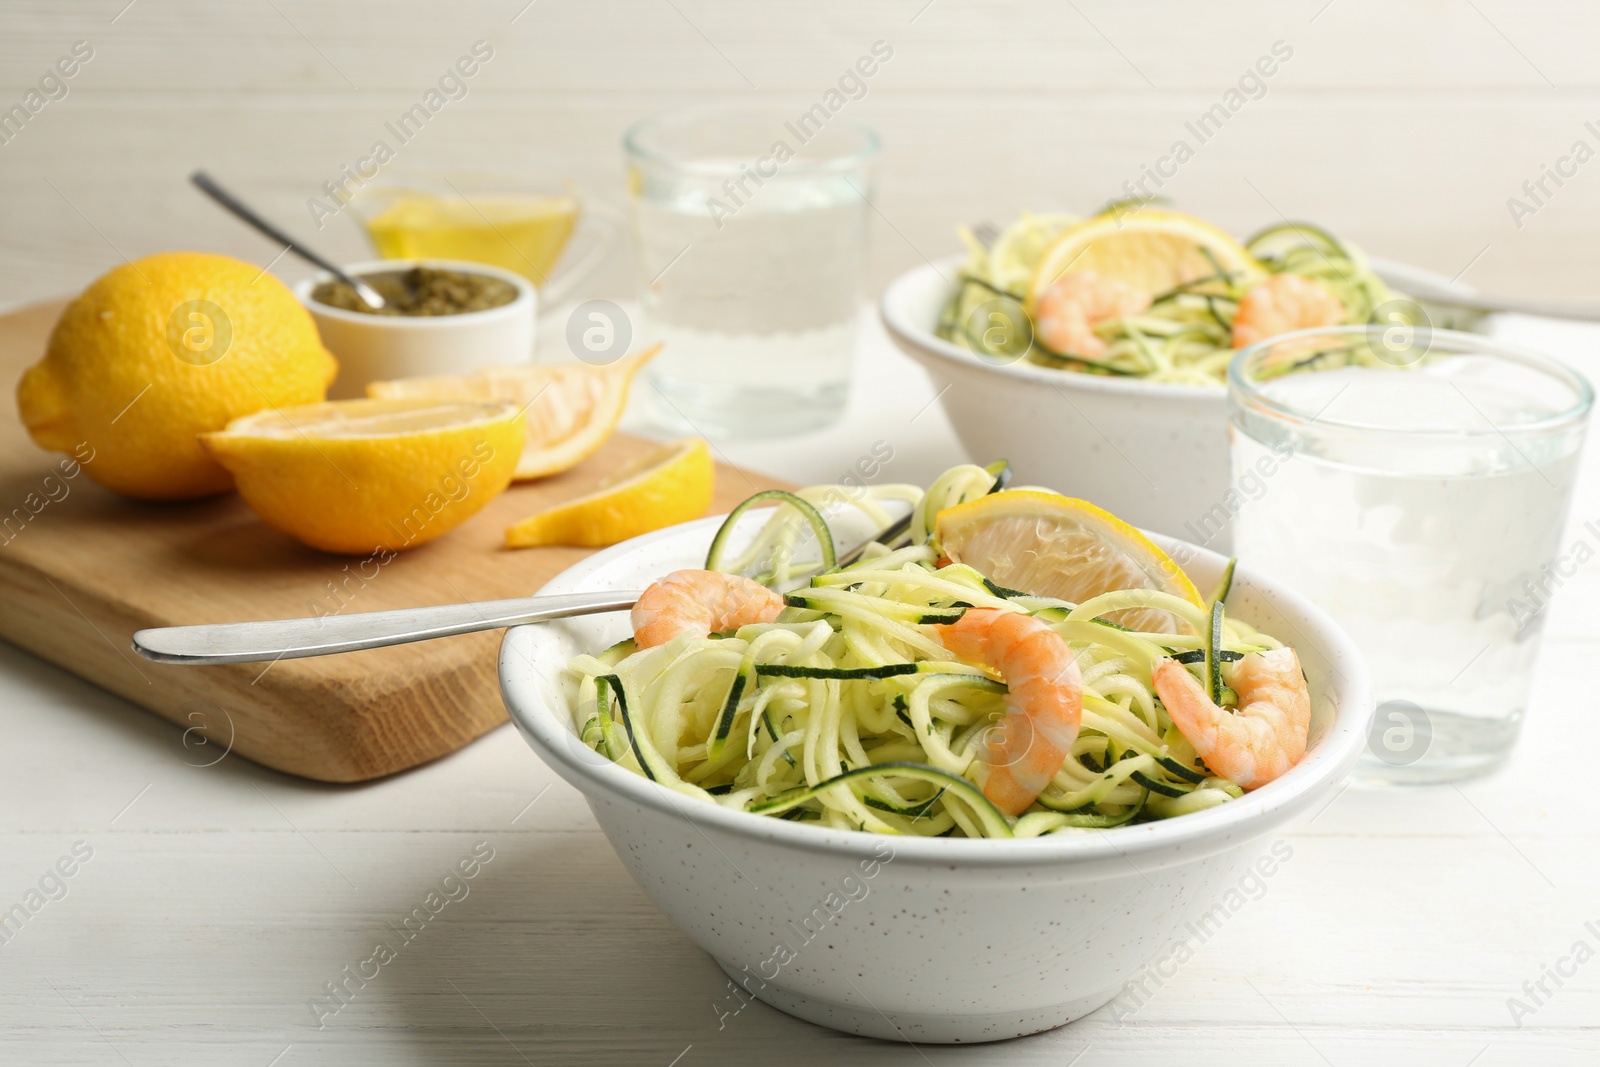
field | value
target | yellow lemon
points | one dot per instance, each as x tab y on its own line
1019	246
359	476
669	485
1051	545
572	408
1148	249
159	350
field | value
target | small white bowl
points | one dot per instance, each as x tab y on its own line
916	939
373	348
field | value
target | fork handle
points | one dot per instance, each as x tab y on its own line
257	642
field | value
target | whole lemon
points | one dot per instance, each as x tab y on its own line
160	350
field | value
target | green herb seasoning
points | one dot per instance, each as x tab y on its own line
421	291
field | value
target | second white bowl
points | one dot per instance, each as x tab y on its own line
1151	453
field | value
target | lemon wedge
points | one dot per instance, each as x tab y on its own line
1051	545
669	485
360	476
1149	249
571	408
1020	245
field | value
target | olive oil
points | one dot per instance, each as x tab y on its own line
525	234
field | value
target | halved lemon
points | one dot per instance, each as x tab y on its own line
1051	545
668	485
359	476
1149	249
571	408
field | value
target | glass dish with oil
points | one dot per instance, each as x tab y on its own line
517	228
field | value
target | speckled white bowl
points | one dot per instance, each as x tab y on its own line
937	940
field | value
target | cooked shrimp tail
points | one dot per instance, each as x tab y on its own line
1044	700
1260	740
1067	313
700	603
1282	303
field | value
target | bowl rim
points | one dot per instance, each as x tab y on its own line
524	300
1186	836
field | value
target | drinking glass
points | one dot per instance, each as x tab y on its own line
1414	483
751	238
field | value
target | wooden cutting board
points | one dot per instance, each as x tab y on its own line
81	569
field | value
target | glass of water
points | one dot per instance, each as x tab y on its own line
751	236
1414	483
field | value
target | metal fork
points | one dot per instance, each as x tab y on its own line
1428	291
275	639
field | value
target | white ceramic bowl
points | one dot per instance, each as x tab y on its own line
938	940
373	348
1153	454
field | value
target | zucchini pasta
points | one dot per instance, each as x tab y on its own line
1184	331
848	709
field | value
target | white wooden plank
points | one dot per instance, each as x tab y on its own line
221	898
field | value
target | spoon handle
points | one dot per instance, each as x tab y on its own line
256	642
208	185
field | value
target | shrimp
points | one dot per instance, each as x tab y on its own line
1264	737
1282	303
1044	700
699	602
1066	313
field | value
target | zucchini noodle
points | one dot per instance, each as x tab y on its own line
847	711
1186	334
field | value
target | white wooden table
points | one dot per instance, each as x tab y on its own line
218	900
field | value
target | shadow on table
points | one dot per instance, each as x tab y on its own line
552	955
556	957
142	740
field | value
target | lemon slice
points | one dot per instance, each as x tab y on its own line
669	485
1020	245
572	408
1051	545
1151	250
363	476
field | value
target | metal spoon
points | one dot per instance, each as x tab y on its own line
206	184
